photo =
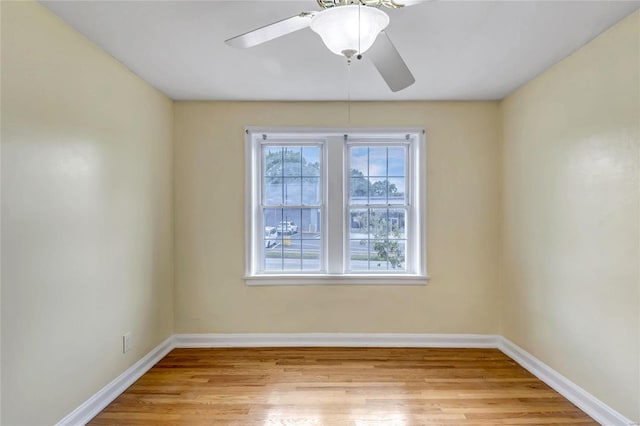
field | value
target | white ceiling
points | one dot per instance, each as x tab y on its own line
477	50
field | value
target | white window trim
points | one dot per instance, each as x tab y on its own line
331	152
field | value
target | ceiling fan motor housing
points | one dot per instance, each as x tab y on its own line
392	4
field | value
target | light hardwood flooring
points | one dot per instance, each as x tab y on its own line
339	386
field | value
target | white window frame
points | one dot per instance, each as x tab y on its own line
335	204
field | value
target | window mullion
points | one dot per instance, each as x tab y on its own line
335	206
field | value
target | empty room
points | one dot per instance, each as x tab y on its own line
331	212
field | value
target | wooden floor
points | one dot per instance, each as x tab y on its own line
339	386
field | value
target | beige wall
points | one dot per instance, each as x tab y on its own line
571	217
88	206
86	216
211	296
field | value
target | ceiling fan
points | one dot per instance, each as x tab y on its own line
348	28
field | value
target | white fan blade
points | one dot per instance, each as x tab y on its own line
389	63
271	31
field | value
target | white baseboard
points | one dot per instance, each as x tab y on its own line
91	407
337	340
588	403
582	399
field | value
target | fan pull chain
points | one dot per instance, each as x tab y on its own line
349	67
349	92
359	29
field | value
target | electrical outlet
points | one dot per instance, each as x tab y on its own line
126	342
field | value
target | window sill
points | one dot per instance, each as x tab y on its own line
354	279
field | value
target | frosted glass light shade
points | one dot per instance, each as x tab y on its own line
338	27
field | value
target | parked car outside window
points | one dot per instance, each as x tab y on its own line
287	228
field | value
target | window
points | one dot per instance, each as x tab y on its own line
335	206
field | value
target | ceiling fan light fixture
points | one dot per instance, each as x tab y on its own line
346	30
